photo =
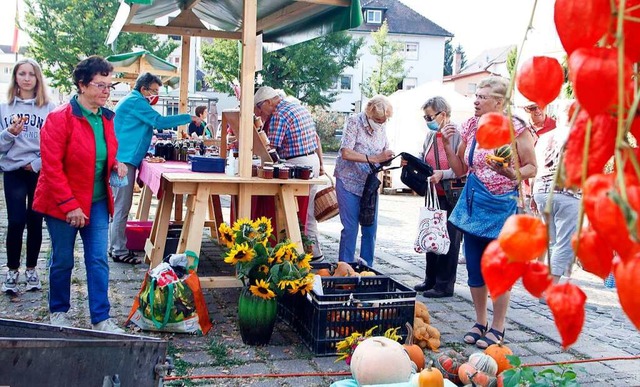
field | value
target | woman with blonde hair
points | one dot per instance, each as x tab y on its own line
364	142
21	119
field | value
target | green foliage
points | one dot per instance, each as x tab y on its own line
63	32
222	356
306	71
389	70
327	124
511	61
449	54
563	375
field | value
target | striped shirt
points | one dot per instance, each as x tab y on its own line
292	130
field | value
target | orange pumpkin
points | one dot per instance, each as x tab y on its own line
499	353
430	377
323	273
416	354
449	363
470	375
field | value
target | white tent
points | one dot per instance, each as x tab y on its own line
406	130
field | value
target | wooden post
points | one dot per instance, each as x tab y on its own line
184	80
247	74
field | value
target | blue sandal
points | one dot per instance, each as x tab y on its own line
485	342
475	336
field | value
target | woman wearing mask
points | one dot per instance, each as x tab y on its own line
74	193
21	119
440	272
364	141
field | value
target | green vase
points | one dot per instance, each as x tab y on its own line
256	318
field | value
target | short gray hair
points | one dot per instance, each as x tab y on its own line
438	104
498	86
379	106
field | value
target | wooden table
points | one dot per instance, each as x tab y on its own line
199	188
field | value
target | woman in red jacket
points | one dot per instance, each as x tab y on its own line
78	155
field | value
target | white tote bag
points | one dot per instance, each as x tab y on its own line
433	236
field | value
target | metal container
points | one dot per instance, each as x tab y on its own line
33	354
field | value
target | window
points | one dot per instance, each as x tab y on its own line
7	70
409	83
342	83
374	16
411	51
471	88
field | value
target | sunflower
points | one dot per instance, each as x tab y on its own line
264	269
305	262
240	223
263	225
227	236
261	289
290	251
306	284
277	255
239	253
287	283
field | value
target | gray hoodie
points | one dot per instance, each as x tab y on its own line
18	151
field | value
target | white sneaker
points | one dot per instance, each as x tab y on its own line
108	325
33	282
59	319
10	284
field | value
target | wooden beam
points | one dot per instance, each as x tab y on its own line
247	82
337	3
133	9
181	31
184	80
187	19
190	4
286	14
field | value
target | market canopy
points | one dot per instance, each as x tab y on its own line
131	64
281	22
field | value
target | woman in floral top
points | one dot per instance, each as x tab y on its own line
364	141
497	179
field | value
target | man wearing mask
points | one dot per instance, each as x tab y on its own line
134	123
292	132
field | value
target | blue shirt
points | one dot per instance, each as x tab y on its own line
134	123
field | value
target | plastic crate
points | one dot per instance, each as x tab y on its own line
356	266
349	304
137	233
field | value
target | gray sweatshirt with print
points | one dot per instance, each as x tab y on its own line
23	149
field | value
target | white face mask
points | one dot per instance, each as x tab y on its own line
376	126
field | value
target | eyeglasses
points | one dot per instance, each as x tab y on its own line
429	118
153	91
259	104
103	86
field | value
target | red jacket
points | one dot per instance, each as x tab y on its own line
69	160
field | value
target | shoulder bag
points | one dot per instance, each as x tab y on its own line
452	187
415	174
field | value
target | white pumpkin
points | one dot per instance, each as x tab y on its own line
379	360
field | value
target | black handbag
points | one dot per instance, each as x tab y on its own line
415	174
369	198
452	187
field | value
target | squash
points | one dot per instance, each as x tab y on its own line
499	353
448	363
344	270
470	375
379	360
504	152
323	273
484	363
430	377
367	273
416	354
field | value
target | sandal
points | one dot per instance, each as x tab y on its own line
475	336
129	258
486	342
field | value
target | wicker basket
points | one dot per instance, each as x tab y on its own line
325	205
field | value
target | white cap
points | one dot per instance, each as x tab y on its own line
264	93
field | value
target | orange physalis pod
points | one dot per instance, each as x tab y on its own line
499	274
626	275
566	302
523	238
540	79
595	254
493	131
536	278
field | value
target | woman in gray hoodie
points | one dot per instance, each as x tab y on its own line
20	121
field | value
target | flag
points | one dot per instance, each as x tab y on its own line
14	47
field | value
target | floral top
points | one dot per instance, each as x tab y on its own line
495	183
359	137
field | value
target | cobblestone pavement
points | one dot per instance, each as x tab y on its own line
531	333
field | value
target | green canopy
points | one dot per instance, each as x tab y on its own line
132	64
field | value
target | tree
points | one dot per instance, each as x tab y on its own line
63	32
449	55
306	70
389	70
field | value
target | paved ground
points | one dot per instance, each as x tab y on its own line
531	333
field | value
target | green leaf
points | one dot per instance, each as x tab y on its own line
514	360
528	374
569	375
512	377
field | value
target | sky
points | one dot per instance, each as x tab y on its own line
476	24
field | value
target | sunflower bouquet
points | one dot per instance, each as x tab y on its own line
268	271
346	347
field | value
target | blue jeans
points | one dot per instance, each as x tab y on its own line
474	247
94	238
122	199
349	205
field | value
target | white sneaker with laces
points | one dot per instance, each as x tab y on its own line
10	283
59	319
33	282
108	325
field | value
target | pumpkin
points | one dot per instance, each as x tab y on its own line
470	375
343	270
448	363
413	350
379	360
505	152
323	273
484	363
367	273
430	377
499	353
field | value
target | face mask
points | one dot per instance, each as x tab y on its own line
153	99
376	126
433	125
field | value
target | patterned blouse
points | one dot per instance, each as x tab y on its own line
495	183
359	137
292	130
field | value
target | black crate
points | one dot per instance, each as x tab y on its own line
356	266
348	305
